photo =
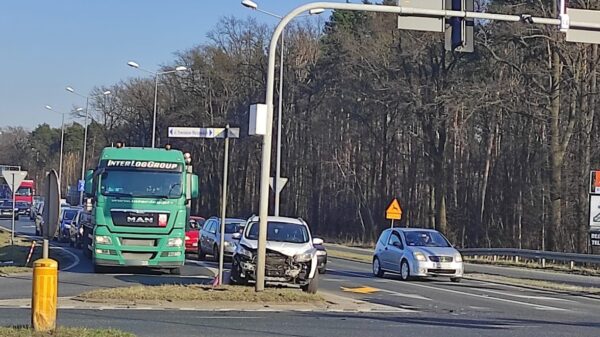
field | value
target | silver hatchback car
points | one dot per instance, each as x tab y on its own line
416	252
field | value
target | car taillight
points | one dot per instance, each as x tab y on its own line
162	220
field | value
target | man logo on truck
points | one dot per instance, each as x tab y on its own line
140	219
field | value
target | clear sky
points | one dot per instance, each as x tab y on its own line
46	45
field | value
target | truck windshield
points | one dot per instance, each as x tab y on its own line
141	183
281	232
24	192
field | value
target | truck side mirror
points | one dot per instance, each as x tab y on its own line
195	192
89	177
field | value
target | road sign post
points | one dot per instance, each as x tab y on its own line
14	179
51	209
226	133
393	212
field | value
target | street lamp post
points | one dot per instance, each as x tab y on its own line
85	131
156	75
62	140
277	180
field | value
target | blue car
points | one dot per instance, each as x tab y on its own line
67	215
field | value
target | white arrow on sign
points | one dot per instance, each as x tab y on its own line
14	178
280	183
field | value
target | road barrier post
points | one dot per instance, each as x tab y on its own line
44	295
30	252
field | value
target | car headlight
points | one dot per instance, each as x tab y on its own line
103	240
174	242
321	252
419	256
306	256
243	251
458	257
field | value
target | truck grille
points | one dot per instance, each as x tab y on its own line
132	218
138	242
137	256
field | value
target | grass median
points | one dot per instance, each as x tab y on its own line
18	252
200	293
63	332
546	285
342	254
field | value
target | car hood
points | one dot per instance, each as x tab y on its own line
435	251
285	248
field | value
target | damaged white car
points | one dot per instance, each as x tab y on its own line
291	255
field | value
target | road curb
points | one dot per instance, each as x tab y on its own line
334	303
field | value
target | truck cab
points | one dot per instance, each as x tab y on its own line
140	203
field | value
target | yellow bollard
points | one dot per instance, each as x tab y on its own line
44	294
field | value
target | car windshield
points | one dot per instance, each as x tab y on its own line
425	239
22	204
280	232
6	203
233	227
141	183
69	214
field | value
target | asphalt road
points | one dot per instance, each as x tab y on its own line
439	307
515	272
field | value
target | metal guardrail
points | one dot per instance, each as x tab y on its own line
532	254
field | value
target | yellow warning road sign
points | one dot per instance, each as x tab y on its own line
394	212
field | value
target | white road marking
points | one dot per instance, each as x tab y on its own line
395	293
333	279
533	297
463	293
75	257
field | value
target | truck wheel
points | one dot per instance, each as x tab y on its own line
100	269
87	252
312	286
175	271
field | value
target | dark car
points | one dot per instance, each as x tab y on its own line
24	207
7	209
76	229
321	258
67	215
210	237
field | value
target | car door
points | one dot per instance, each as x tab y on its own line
206	234
213	235
393	252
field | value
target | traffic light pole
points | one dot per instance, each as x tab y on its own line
409	11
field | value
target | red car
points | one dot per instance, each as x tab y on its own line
191	233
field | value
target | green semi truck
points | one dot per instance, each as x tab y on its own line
139	199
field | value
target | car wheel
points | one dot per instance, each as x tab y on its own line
322	270
215	253
175	271
37	232
17	217
201	255
404	271
312	286
377	271
456	279
100	269
235	277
